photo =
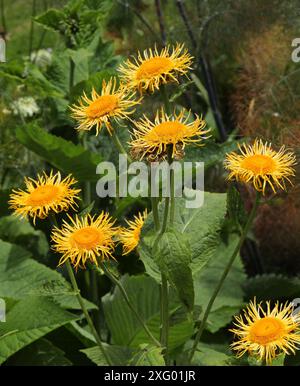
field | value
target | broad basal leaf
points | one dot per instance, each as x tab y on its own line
144	294
20	231
60	153
21	276
30	319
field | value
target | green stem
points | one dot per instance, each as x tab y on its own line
224	275
119	145
164	315
112	277
154	202
85	311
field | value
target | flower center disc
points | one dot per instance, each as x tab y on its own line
259	164
43	195
166	131
87	238
102	106
153	66
266	330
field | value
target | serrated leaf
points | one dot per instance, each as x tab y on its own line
148	355
21	276
40	353
144	294
51	19
200	226
235	206
20	231
173	257
119	355
60	153
272	287
211	355
30	319
230	297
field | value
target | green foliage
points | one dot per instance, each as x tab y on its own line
119	356
19	231
212	355
272	287
22	277
30	319
60	153
148	356
199	228
41	353
173	258
230	298
143	292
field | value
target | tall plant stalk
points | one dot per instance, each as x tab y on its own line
85	312
117	282
244	234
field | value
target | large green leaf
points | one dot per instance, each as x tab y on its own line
40	353
199	226
60	153
173	257
144	294
52	19
212	355
230	299
211	154
30	319
272	287
21	276
118	355
20	231
148	355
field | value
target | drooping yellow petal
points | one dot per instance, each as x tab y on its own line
85	239
46	194
151	139
265	333
112	103
260	165
130	236
152	69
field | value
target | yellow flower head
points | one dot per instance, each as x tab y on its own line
112	103
85	239
260	165
154	68
151	139
266	333
130	236
46	194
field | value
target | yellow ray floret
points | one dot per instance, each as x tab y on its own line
260	165
152	68
153	138
130	236
46	194
85	239
266	333
112	103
